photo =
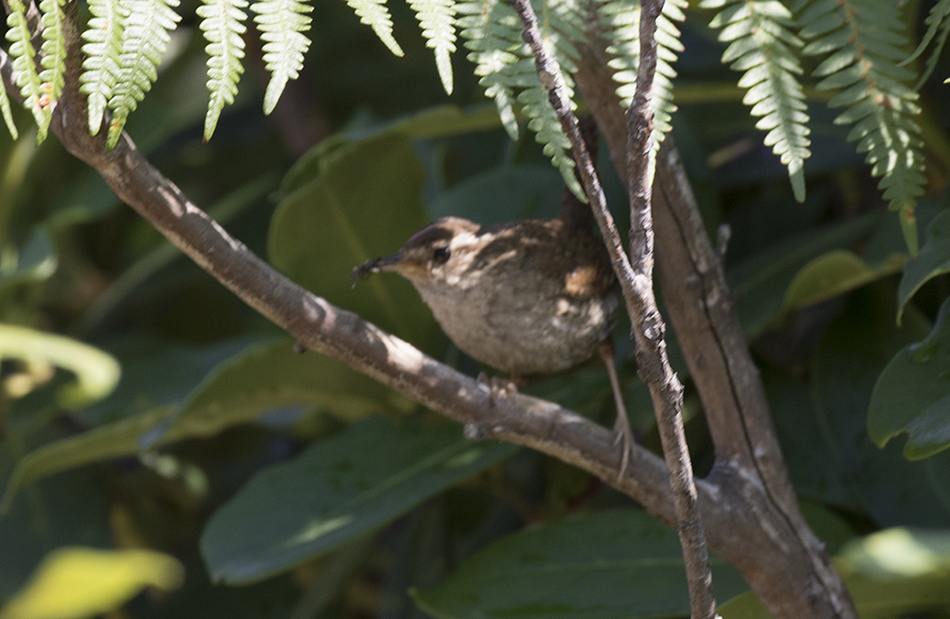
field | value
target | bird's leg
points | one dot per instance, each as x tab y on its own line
622	431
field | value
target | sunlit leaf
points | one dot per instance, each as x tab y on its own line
331	494
618	564
912	394
74	583
97	373
933	260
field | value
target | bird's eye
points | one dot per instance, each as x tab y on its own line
441	255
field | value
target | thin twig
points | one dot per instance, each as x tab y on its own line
641	165
636	280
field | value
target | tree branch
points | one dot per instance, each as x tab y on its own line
641	163
799	580
337	333
752	520
636	280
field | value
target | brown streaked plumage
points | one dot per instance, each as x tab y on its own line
525	297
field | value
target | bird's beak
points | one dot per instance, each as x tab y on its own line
377	265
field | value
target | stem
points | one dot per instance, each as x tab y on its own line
636	282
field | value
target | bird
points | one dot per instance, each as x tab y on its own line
526	297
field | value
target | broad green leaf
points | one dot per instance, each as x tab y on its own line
834	273
855	348
601	565
933	260
365	202
34	261
503	193
70	509
337	490
97	373
110	441
912	394
147	266
74	582
891	573
254	380
828	525
158	373
273	376
901	553
433	122
761	281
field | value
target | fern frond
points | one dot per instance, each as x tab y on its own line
375	14
223	27
144	41
103	51
437	19
282	24
548	132
54	49
621	18
861	41
937	25
492	32
23	57
7	111
760	45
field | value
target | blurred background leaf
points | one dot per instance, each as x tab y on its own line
212	400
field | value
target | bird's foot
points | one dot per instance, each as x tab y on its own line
497	387
623	436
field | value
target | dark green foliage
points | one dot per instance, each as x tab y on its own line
219	434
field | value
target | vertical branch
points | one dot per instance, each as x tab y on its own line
637	284
641	165
641	160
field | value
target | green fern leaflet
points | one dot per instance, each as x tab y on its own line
144	41
621	18
374	14
761	46
282	24
54	49
103	55
937	26
23	57
861	43
222	23
7	111
505	65
437	19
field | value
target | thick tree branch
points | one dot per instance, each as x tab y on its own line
328	330
799	581
636	280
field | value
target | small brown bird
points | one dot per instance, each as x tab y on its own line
526	297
